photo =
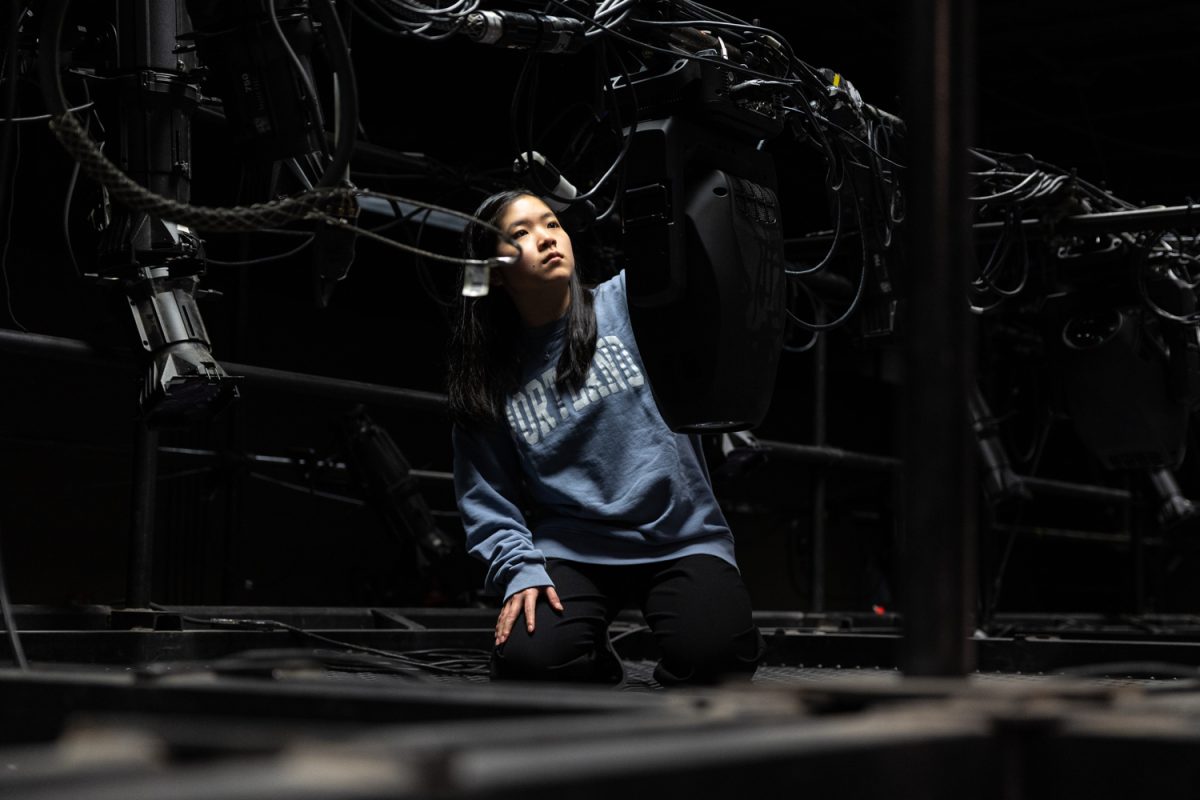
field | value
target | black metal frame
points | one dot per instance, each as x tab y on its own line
179	635
185	725
146	446
147	450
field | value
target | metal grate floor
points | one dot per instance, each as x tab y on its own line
639	676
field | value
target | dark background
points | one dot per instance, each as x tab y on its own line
1103	88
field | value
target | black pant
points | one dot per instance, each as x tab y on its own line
697	607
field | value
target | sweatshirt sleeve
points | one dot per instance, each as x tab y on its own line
487	483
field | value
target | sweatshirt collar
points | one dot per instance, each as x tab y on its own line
545	333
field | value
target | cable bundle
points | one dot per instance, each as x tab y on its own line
1021	192
433	21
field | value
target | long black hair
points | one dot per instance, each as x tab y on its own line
485	350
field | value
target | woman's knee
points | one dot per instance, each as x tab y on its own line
709	660
709	656
557	649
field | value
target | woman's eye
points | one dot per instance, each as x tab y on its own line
553	223
518	234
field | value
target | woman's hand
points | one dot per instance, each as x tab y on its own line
523	601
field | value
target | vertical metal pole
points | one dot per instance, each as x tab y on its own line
938	485
156	147
156	129
139	578
820	396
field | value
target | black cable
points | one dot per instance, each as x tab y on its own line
69	197
310	89
730	19
815	335
999	256
423	275
557	119
716	12
264	259
834	185
356	7
527	73
833	246
13	18
10	85
44	117
858	292
124	190
269	623
998	158
283	232
826	121
619	160
445	21
527	87
621	156
1097	191
347	133
10	625
432	207
1191	320
334	173
264	660
888	193
457	9
628	632
737	25
611	30
400	218
467	656
8	236
1005	193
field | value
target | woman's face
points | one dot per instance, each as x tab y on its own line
545	256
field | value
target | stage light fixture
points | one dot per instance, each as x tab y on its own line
1114	380
183	381
704	243
390	488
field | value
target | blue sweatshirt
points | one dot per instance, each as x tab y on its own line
607	481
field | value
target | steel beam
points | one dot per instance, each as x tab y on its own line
939	487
